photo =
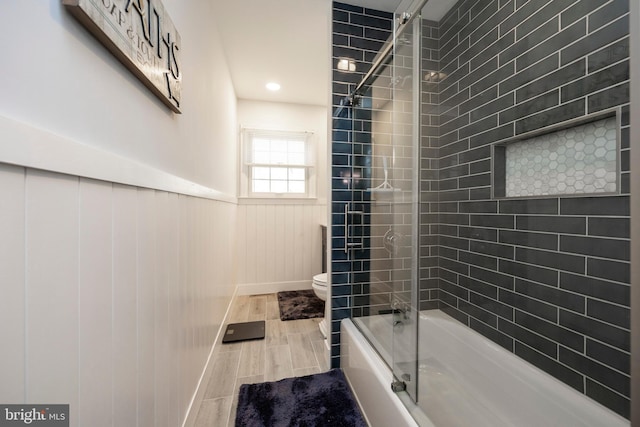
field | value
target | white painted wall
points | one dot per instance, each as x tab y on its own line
279	242
113	290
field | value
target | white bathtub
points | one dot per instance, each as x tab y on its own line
464	380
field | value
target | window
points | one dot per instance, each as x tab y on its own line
277	164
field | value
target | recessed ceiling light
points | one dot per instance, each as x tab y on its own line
272	86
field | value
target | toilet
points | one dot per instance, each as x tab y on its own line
320	288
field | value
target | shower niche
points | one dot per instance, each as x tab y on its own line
572	159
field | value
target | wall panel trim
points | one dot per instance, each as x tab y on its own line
27	146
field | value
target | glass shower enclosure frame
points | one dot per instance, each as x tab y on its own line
382	227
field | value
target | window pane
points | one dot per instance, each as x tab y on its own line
296	174
278	158
296	159
260	144
260	173
279	145
279	173
262	157
279	186
261	186
296	187
296	146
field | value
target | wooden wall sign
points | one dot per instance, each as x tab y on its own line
142	36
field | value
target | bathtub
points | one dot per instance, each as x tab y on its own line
465	380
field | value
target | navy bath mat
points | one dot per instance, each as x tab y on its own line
300	305
320	400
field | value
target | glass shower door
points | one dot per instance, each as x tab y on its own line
403	240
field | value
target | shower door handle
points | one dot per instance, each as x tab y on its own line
347	235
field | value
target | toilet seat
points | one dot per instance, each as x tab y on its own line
320	279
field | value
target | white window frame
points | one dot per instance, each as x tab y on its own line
247	163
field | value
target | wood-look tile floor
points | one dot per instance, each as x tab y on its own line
290	349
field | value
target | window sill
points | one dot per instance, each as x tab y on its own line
279	201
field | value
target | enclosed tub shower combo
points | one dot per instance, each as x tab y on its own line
480	212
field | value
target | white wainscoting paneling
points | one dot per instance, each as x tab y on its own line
114	295
279	246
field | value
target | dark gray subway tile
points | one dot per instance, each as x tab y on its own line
379	13
552	45
593	82
608	98
479	207
494	335
492	305
454	266
539	17
474	74
595	206
485	25
455	124
528	305
479	126
609	356
609	313
553	224
594	370
518	80
528	271
482	288
454	289
549	365
579	10
497	47
371	21
494	249
491	79
551	81
592	287
495	221
551	295
347	7
550	330
602	37
609	227
609	55
348	29
522	13
555	115
603	248
532	206
491	136
595	329
478	260
478	100
608	13
479	46
533	240
479	314
557	260
531	106
479	233
480	166
625	138
492	107
478	180
608	398
377	34
525	43
535	341
455	171
492	277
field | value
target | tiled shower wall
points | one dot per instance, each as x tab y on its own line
546	278
358	34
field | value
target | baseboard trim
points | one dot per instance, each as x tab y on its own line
201	388
271	288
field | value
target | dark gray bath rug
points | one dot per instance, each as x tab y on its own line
319	400
300	305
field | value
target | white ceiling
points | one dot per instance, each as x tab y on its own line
289	42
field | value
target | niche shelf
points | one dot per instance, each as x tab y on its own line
573	159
